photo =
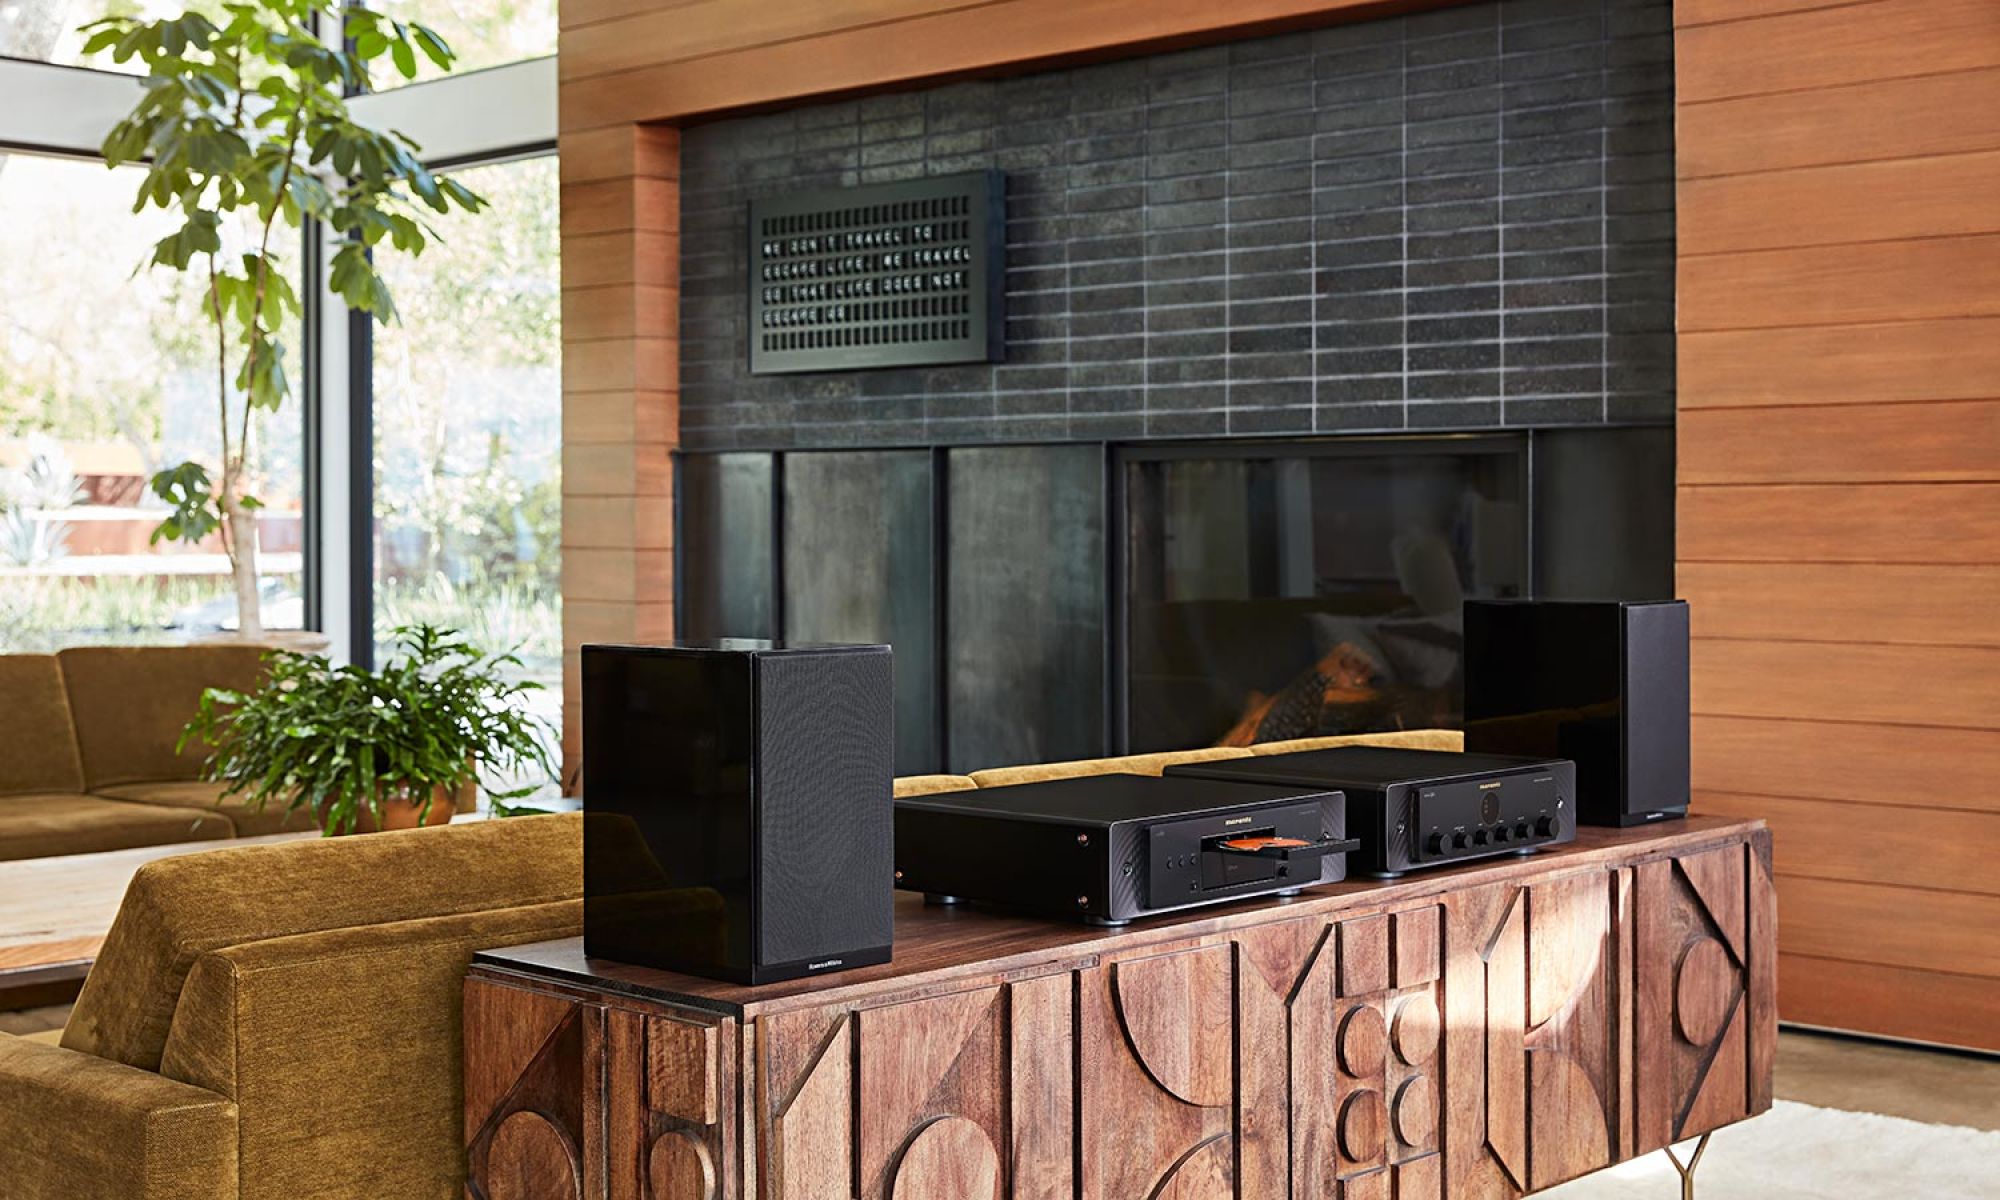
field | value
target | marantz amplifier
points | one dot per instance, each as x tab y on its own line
1108	848
1424	808
736	807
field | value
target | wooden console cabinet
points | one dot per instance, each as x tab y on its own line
1480	1032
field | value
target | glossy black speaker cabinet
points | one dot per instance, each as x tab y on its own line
1602	683
737	812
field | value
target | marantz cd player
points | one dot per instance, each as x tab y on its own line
1423	808
1108	848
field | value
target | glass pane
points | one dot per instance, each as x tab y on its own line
482	33
1026	623
107	374
468	421
1303	594
858	569
725	546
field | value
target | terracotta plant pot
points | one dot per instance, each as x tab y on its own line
400	810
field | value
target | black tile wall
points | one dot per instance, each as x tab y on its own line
1457	220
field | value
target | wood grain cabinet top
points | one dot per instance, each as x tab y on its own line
1486	1031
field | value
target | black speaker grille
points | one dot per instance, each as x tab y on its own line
826	765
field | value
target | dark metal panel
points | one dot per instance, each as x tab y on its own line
725	546
1026	601
858	567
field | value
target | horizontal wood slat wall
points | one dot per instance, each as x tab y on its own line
1839	458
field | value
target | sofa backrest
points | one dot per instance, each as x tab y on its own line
1130	764
130	704
38	752
178	909
1406	739
343	1051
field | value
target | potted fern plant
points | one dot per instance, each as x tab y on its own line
393	748
244	130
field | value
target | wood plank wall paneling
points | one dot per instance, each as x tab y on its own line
620	205
1839	458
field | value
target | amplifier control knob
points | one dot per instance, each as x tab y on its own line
1500	834
1435	844
1459	841
1522	831
1546	827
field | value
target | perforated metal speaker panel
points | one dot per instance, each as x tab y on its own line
825	768
889	274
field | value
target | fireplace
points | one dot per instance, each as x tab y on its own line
1070	600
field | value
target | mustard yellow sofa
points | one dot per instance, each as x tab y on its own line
88	759
281	1022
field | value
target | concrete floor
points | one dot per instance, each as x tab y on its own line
1937	1087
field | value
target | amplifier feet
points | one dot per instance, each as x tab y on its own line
942	900
1107	922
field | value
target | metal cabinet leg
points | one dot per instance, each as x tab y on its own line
1687	1170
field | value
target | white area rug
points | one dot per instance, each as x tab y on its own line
1798	1152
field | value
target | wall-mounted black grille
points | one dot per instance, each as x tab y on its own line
886	275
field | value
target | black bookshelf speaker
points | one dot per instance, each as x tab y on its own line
737	809
1602	683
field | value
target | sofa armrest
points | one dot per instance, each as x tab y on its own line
86	1128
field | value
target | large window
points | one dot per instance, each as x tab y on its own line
468	426
107	374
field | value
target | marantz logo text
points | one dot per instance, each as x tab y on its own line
1237	821
821	966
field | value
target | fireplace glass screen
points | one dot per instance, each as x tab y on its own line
1305	590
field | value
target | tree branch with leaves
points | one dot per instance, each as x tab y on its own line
245	128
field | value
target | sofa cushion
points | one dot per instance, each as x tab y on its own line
200	793
130	704
40	824
931	785
1130	764
178	909
38	751
1406	739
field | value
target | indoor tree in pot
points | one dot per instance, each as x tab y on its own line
245	128
386	749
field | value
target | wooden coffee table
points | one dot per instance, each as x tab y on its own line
54	913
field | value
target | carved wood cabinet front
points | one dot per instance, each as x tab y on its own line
1484	1040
